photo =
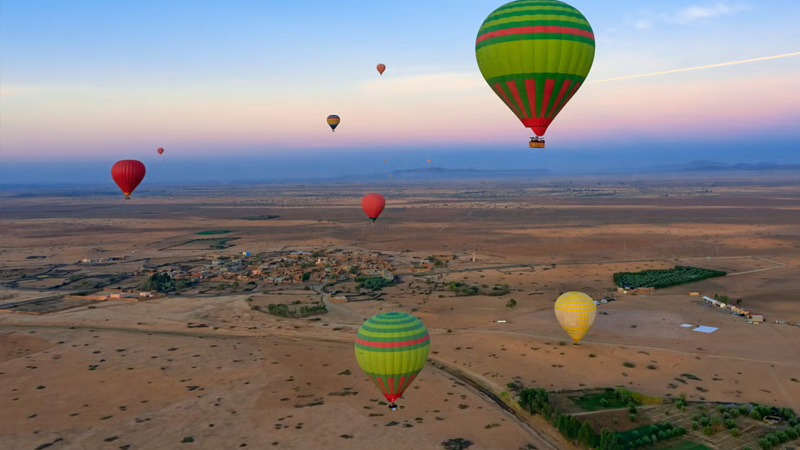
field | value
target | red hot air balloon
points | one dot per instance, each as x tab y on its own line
381	68
160	151
373	204
128	173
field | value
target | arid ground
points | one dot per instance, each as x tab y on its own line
145	376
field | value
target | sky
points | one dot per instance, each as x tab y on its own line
221	84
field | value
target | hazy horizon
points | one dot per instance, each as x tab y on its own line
174	167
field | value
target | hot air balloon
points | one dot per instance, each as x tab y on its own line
127	173
429	160
381	68
160	151
373	205
575	312
333	121
391	349
535	56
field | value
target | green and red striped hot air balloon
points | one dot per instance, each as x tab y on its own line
535	55
391	349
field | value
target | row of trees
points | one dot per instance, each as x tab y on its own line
649	434
773	440
279	309
537	401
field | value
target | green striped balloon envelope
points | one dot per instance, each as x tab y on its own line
391	349
535	54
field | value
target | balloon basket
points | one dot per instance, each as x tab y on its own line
392	406
536	142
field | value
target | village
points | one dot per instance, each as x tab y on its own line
220	274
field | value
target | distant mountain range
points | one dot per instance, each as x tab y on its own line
705	166
442	173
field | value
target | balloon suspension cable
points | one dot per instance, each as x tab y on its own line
393	406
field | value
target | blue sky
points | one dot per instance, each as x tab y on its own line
98	80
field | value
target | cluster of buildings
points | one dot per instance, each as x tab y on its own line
755	318
433	261
121	295
99	260
319	266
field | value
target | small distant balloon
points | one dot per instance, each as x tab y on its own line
128	173
333	121
381	68
160	151
384	160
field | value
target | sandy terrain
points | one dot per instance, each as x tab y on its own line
257	378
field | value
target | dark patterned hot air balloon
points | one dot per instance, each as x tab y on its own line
128	173
381	68
535	55
373	205
333	121
391	349
160	151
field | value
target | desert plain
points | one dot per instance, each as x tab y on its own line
207	369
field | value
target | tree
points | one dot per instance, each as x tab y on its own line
456	444
587	436
511	303
163	282
609	440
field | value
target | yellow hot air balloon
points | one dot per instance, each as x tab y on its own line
575	312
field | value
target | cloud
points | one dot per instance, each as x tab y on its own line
689	14
421	84
694	13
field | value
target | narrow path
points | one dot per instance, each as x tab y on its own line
543	438
777	265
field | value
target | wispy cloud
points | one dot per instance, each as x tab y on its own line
689	14
694	13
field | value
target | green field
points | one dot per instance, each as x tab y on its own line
597	402
212	232
647	435
662	278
